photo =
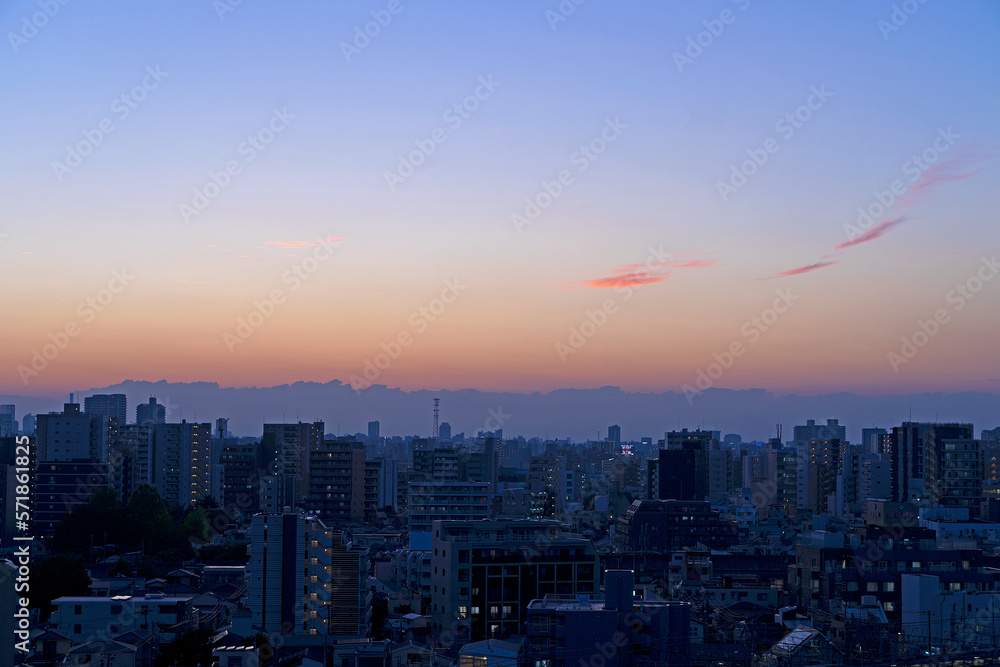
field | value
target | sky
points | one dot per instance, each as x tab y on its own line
508	196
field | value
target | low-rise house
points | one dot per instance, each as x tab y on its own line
803	646
236	656
104	652
85	618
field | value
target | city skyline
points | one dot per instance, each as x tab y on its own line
580	415
519	198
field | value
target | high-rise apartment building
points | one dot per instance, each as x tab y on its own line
180	461
818	447
292	444
437	463
381	480
547	475
431	501
28	424
908	445
70	435
61	487
876	477
109	405
8	420
615	435
670	525
243	467
954	473
337	481
681	472
486	573
303	578
875	440
150	413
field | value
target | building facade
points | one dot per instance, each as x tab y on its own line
486	572
303	579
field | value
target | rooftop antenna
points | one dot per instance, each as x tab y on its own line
437	410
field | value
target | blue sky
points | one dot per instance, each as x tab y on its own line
655	186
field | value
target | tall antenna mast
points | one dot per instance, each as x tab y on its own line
437	410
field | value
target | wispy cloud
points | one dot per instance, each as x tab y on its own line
938	174
673	264
941	173
876	232
629	275
804	269
626	280
693	264
294	244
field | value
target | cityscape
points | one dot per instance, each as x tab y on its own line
157	542
525	333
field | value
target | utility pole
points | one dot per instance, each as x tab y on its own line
928	612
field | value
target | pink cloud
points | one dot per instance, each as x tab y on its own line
939	174
626	280
675	264
641	274
876	232
693	264
804	269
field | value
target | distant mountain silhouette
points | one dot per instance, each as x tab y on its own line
579	414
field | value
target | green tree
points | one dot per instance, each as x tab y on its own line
100	520
194	528
56	577
208	503
105	499
149	518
